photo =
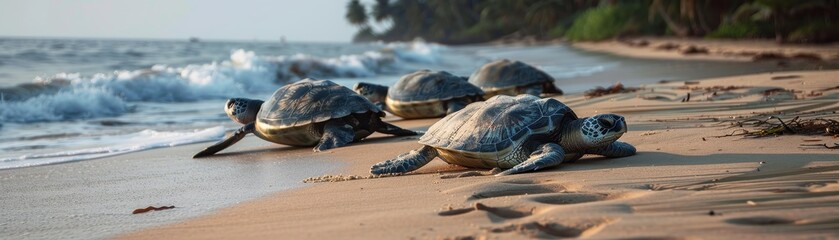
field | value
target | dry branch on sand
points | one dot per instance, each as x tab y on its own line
774	126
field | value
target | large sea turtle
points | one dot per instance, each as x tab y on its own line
521	133
512	78
309	112
423	94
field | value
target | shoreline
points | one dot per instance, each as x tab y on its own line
683	183
666	48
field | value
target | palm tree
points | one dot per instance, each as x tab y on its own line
356	13
658	7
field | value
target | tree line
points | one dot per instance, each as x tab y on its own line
475	21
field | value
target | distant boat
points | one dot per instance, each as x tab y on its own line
194	39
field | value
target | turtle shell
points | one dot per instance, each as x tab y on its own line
427	85
498	124
505	73
311	101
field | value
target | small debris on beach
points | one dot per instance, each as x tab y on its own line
667	46
687	98
751	203
690	50
648	133
151	208
614	89
835	145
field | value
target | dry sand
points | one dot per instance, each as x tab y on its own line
683	184
719	50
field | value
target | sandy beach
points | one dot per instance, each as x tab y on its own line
686	182
253	119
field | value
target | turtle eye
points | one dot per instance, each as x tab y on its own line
605	123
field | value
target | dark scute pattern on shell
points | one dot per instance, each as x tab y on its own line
424	85
311	101
496	123
506	73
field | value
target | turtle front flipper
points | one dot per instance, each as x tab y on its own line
615	149
336	133
237	135
391	129
548	155
455	105
405	162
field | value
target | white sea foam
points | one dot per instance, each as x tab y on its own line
245	73
417	51
120	144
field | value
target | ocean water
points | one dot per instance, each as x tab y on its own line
64	100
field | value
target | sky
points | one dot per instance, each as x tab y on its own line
296	20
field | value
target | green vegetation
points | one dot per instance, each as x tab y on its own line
475	21
745	29
607	22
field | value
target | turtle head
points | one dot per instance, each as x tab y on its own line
374	93
242	110
593	132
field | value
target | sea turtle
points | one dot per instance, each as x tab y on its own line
423	94
512	78
521	133
309	112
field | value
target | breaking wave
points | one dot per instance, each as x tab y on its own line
70	96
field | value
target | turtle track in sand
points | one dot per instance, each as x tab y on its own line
533	202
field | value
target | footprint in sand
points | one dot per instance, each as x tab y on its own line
503	212
569	198
549	229
502	189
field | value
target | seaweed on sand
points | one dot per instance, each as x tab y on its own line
774	126
614	89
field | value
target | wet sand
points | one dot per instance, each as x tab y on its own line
684	183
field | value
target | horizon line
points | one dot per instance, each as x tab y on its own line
187	39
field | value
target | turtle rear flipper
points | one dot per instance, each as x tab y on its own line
405	162
238	135
548	155
336	133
